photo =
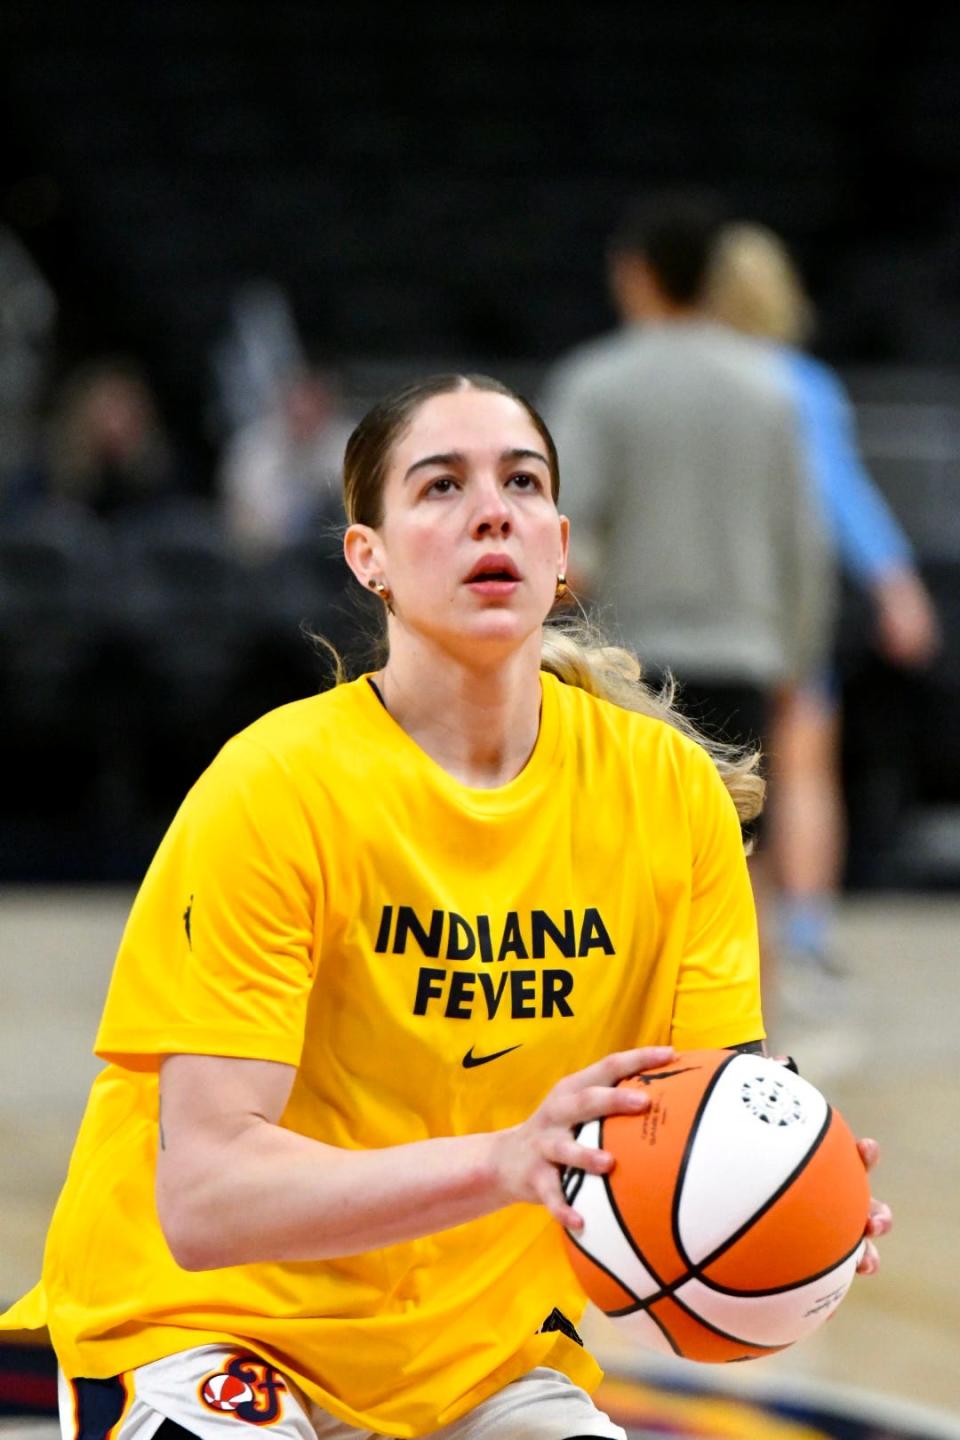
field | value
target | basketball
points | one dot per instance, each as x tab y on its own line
732	1222
226	1392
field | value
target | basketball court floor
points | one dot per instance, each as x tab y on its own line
889	1359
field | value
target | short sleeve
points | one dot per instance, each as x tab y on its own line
717	1001
219	951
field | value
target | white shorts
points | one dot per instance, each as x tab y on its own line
215	1393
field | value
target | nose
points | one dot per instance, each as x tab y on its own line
492	514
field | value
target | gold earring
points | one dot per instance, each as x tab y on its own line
383	592
561	586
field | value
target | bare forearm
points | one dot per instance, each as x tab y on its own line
234	1187
269	1194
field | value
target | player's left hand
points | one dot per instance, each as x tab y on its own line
880	1219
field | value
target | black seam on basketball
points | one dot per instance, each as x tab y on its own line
571	1182
779	1289
695	1272
571	1176
724	1334
687	1150
626	1235
607	1271
643	1308
770	1201
694	1315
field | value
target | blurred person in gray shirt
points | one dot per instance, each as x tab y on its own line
693	526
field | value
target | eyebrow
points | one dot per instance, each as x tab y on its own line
457	457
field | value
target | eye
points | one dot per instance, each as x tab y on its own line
523	480
443	485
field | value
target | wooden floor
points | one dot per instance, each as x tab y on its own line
892	1068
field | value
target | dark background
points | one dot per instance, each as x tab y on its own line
432	186
439	180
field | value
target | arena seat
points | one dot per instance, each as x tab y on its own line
55	581
178	639
55	562
302	592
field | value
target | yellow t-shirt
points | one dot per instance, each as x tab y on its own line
327	896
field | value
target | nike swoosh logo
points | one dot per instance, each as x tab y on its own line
646	1076
470	1060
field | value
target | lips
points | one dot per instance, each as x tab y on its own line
493	567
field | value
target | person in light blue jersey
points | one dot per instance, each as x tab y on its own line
755	287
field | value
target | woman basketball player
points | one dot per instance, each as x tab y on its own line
317	1185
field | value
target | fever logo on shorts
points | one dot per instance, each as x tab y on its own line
246	1388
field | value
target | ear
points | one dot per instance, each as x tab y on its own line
631	285
363	552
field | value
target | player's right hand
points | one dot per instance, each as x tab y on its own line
529	1158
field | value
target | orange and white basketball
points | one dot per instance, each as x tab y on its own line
733	1220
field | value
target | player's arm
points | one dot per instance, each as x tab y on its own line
234	1186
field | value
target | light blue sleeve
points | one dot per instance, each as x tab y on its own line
868	537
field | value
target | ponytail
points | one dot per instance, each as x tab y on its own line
578	654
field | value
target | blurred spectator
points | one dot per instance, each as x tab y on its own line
28	312
259	347
692	519
280	473
755	287
109	449
684	479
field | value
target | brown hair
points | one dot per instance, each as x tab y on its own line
573	650
371	444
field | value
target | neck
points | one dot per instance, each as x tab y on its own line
479	722
657	309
